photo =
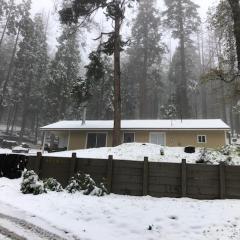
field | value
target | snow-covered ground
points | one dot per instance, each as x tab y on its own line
116	217
137	151
6	150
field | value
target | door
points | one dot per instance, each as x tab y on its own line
157	138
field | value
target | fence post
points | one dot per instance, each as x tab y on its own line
38	164
145	176
72	165
184	177
109	173
222	180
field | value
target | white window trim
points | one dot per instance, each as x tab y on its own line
86	141
134	139
164	134
201	135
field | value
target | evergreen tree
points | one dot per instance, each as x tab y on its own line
100	104
64	71
21	24
145	57
192	66
235	10
114	10
31	71
182	17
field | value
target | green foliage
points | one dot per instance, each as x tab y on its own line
64	73
142	73
31	183
51	184
84	183
84	9
185	12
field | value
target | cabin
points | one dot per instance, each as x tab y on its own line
72	135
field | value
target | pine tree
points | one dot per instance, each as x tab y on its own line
192	65
114	10
10	14
23	19
235	9
64	71
31	70
182	17
145	57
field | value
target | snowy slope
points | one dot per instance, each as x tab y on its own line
137	152
116	217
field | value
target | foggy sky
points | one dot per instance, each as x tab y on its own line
47	7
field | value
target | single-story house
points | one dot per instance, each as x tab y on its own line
74	135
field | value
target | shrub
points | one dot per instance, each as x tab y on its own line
52	184
83	182
225	150
31	183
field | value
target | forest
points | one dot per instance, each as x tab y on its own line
193	73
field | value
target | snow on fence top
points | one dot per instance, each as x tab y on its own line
140	124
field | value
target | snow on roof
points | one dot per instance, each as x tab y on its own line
139	124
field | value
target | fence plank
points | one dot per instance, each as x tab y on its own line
38	163
184	177
72	165
110	173
222	180
145	176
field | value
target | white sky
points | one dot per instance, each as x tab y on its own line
47	7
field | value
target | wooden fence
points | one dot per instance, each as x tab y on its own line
140	178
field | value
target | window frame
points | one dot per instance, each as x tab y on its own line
133	137
106	142
201	135
157	132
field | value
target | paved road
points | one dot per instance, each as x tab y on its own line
16	228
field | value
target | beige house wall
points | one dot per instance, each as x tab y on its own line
215	138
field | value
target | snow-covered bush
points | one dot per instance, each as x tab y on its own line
225	150
82	182
31	183
52	184
204	156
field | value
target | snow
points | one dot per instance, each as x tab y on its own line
141	124
116	217
9	151
137	152
5	151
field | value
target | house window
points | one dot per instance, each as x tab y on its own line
202	138
128	137
96	140
158	138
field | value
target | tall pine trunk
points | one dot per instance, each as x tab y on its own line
14	117
117	85
25	107
143	81
5	83
235	6
184	105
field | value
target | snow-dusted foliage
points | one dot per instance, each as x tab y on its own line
168	111
31	183
51	184
82	182
224	154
